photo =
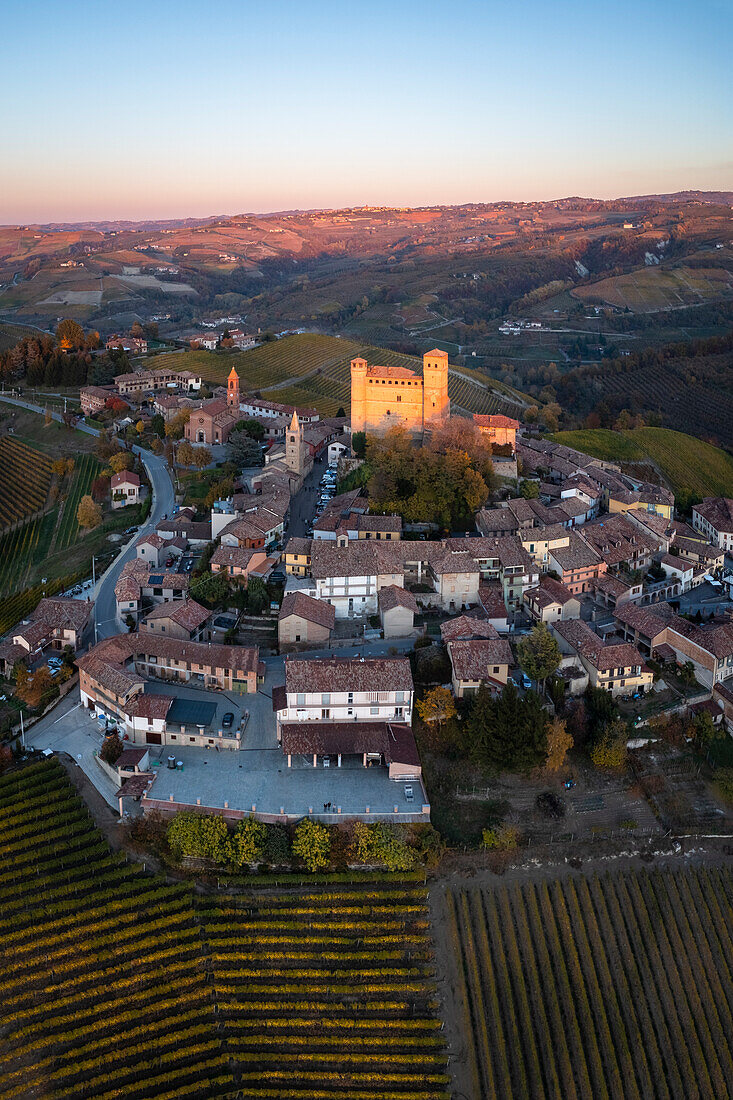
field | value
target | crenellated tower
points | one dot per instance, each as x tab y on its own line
358	395
436	404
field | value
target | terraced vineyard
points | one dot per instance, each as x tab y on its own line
87	468
25	479
115	983
685	462
327	993
620	986
319	369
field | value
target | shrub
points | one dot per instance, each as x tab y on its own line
500	838
202	836
248	842
111	749
609	752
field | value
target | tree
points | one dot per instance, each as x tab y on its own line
436	706
140	427
254	429
341	411
382	844
175	427
116	405
200	836
550	416
89	513
609	751
312	844
157	425
112	749
37	689
120	461
704	731
136	330
211	589
59	467
508	733
257	595
248	843
243	450
559	744
202	457
358	444
69	334
539	654
185	454
530	490
100	488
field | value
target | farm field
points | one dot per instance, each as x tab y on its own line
52	439
310	369
117	983
585	988
25	480
685	462
657	288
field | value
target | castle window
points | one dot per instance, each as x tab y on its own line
399	396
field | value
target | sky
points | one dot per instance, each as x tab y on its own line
174	108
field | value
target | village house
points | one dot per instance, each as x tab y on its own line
577	564
709	646
617	667
137	383
620	543
240	564
55	623
397	610
135	345
155	550
303	621
713	518
700	553
336	707
139	586
501	430
644	627
259	408
551	601
297	557
125	488
476	661
183	619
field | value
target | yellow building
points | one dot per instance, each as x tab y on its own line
384	396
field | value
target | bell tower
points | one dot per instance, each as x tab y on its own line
233	391
294	447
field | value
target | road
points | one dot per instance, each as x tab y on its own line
303	504
105	607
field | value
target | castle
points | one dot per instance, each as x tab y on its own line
384	396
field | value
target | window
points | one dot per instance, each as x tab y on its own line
300	699
495	668
399	396
173	737
325	699
192	738
374	710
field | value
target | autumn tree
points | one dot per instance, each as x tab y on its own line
121	460
202	457
140	427
89	513
100	488
185	454
69	334
176	426
247	845
312	844
112	749
539	653
436	706
37	689
608	754
559	744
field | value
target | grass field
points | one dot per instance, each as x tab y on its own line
310	369
685	462
655	288
116	983
25	480
597	989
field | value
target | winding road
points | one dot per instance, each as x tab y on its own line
105	607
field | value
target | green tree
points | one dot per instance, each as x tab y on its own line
704	731
530	490
359	444
500	838
254	429
157	426
257	595
112	749
210	589
312	844
200	836
248	842
382	844
507	733
539	654
243	450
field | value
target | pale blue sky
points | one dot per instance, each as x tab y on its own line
169	108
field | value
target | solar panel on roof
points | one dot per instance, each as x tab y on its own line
157	579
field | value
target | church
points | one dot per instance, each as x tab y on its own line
384	396
212	421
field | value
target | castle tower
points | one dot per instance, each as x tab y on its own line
295	447
436	405
233	391
358	395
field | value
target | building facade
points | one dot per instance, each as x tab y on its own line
382	397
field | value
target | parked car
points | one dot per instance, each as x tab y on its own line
227	721
526	682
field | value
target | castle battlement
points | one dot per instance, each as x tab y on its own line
383	396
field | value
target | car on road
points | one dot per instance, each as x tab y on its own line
227	721
526	682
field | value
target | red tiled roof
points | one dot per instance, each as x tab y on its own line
470	660
494	420
305	607
392	596
395	742
304	674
